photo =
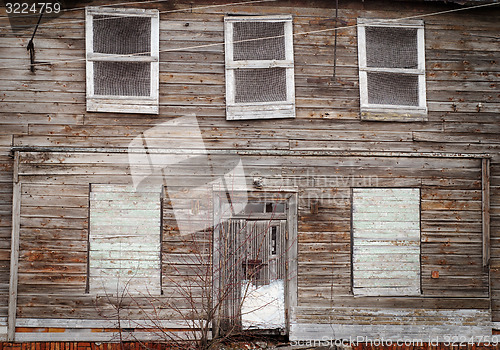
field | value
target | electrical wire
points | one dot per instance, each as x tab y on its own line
382	21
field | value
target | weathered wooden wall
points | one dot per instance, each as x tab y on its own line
54	223
47	109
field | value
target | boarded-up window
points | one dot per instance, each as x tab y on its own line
122	60
386	241
124	240
259	67
392	70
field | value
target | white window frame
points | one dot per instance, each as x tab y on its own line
392	112
259	110
122	104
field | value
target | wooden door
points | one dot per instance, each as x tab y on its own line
254	274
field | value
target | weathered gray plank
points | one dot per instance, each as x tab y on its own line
485	209
14	258
120	229
396	240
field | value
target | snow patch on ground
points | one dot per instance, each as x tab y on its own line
263	307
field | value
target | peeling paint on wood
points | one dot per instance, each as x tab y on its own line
124	240
386	241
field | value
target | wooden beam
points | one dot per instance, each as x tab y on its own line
217	216
75	323
485	168
268	152
87	335
291	298
14	252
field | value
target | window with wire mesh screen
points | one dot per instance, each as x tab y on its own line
122	60
259	67
392	69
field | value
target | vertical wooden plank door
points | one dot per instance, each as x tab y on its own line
263	264
253	262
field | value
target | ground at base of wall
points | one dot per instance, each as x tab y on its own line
82	346
234	346
254	345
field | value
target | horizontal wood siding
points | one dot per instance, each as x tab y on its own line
450	189
186	253
419	327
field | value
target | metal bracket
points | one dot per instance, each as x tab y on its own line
31	45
